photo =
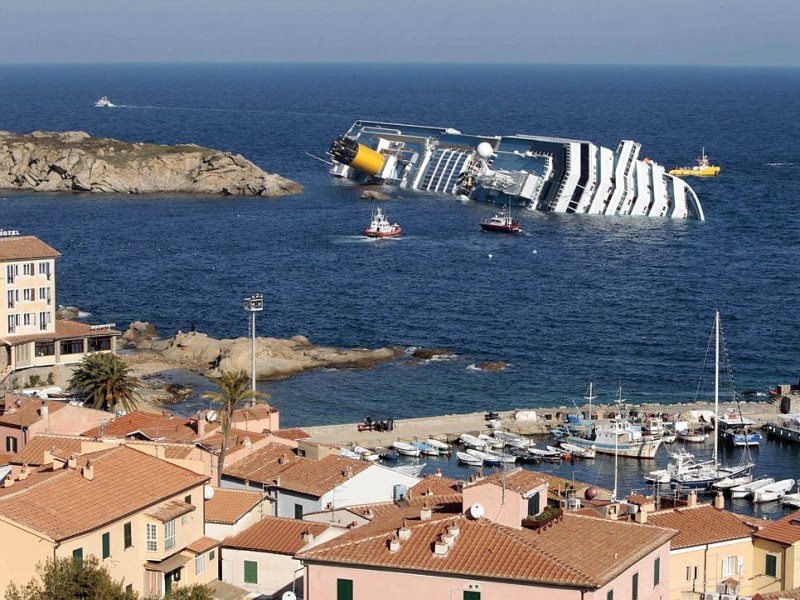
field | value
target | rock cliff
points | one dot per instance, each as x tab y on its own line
75	161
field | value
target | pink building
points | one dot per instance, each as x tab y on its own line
480	550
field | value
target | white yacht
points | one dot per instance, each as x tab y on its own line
104	102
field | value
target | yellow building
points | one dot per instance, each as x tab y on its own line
30	335
143	517
713	553
777	555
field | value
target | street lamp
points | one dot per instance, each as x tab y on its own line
253	304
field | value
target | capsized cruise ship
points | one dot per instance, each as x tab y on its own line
539	173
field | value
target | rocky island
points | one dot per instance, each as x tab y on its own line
74	161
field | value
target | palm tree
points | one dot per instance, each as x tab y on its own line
106	382
234	388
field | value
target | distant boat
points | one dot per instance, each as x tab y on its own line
425	449
502	222
773	491
380	227
579	451
747	489
474	442
442	447
693	436
406	449
104	102
469	459
680	462
511	439
703	168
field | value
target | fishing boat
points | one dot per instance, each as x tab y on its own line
406	449
788	429
471	441
380	227
703	478
736	430
773	491
746	490
540	173
617	436
680	462
692	436
104	102
425	449
469	459
703	168
579	451
502	222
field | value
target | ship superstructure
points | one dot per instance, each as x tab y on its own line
539	173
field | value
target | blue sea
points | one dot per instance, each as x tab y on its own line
616	301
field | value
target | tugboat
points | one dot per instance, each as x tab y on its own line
703	168
380	226
104	102
502	222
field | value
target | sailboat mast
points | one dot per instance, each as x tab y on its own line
716	388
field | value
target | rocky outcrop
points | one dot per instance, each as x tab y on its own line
138	332
275	358
75	161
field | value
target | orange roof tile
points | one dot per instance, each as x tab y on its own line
252	413
64	503
484	548
29	413
317	477
784	531
519	480
263	465
237	438
275	534
699	525
64	329
291	434
25	246
151	426
34	451
793	594
170	510
228	506
6	457
435	485
203	544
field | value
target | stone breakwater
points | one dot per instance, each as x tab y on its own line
74	161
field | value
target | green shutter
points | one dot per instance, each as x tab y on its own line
344	589
657	572
250	571
635	587
106	545
77	556
772	565
610	595
298	511
472	596
128	535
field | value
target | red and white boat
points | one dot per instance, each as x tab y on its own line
380	226
502	222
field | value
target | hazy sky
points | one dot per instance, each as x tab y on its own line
706	32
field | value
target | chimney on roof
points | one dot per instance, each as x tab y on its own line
161	451
719	501
611	511
201	426
8	482
43	410
691	499
404	532
440	547
88	470
282	459
393	543
72	463
453	529
308	537
641	515
277	481
246	442
437	473
425	513
348	471
24	472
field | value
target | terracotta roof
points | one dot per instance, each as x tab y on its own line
317	477
291	434
144	425
228	506
784	531
203	544
34	450
484	548
66	504
237	438
6	457
170	510
263	465
275	534
559	487
64	329
793	594
25	246
700	525
29	413
519	480
435	485
258	412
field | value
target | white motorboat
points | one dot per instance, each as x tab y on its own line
747	489
680	462
365	453
491	442
511	439
502	456
348	453
469	459
488	459
550	454
579	451
104	102
442	447
406	449
726	483
792	500
471	441
773	491
692	436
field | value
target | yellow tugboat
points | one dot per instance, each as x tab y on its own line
702	169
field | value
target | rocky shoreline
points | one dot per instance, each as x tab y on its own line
74	161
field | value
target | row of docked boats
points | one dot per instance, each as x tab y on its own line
489	450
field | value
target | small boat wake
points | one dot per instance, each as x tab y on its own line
780	164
